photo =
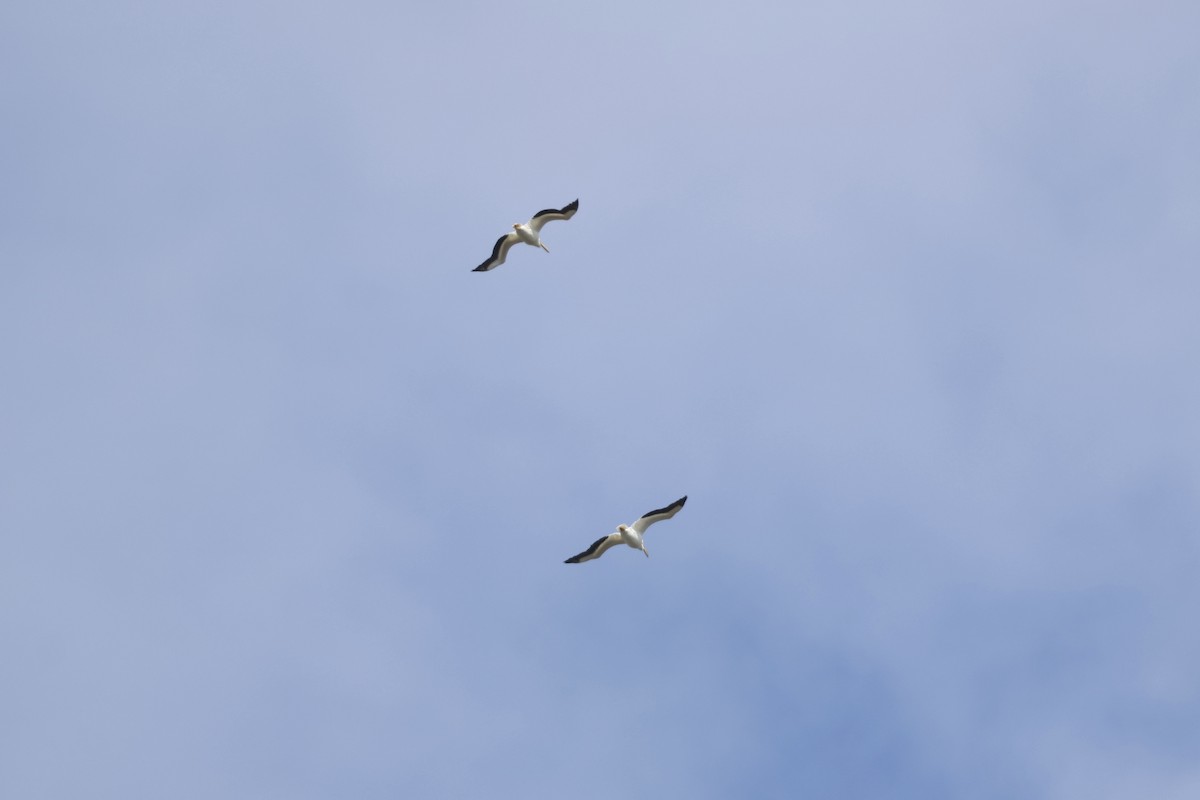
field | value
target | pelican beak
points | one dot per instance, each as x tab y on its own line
547	249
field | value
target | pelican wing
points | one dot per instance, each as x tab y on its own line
551	214
597	549
499	252
658	515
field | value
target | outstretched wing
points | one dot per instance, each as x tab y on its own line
498	252
596	550
551	214
658	515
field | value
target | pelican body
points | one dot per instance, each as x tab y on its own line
632	538
528	235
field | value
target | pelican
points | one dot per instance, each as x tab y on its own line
628	534
529	233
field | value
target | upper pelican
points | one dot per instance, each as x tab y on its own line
529	233
628	534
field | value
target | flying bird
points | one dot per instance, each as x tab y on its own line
628	534
529	233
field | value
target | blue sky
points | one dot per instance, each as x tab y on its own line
902	298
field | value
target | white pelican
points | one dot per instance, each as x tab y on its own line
529	233
629	534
